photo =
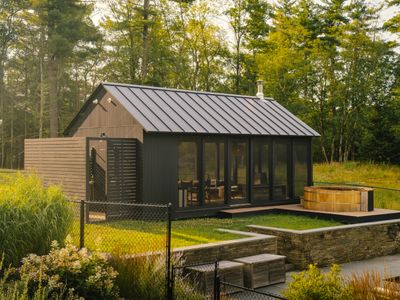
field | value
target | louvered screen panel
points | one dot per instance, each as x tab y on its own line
123	169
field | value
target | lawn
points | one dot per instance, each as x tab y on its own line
379	175
139	236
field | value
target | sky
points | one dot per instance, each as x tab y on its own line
386	14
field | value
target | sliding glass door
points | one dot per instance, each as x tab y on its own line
300	166
281	166
261	173
214	173
188	180
238	172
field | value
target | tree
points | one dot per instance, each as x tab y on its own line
9	22
393	24
67	25
248	20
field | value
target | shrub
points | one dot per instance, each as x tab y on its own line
31	217
76	271
19	290
144	278
314	285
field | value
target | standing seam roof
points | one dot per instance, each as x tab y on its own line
168	110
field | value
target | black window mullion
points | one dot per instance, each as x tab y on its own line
250	171
310	180
272	170
228	171
201	168
290	166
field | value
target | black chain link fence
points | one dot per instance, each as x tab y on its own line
217	280
136	237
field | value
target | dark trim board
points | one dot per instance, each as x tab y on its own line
340	217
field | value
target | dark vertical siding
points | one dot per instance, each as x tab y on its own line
160	169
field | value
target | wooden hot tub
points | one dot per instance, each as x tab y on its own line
338	198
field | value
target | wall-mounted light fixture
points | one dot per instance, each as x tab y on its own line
109	100
95	101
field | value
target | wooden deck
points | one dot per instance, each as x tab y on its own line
378	214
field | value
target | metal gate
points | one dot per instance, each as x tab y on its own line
114	174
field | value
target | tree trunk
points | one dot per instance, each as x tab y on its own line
2	92
41	105
12	138
145	54
53	95
237	81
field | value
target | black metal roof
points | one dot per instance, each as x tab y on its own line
181	111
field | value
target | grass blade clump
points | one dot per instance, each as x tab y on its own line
31	217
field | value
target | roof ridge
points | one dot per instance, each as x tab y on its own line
182	90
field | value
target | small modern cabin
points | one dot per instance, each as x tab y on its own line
200	151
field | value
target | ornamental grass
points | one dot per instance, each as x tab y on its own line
31	217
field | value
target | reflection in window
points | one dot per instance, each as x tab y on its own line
188	182
261	171
214	188
280	185
300	151
238	172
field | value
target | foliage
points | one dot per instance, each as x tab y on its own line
329	62
371	285
79	272
144	278
18	289
312	284
32	216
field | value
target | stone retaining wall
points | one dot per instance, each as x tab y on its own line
338	244
253	244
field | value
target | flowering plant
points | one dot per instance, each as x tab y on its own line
85	274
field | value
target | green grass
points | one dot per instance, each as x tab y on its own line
380	175
140	236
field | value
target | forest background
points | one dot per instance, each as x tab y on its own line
333	63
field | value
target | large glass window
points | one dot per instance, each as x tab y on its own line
188	181
214	184
238	172
280	161
261	172
300	160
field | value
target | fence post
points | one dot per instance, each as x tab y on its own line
169	283
216	282
82	225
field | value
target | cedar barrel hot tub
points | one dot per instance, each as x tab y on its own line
338	198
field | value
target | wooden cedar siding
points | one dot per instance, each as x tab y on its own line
160	169
59	161
110	118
